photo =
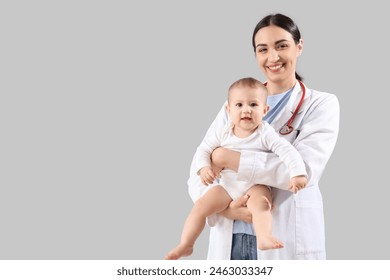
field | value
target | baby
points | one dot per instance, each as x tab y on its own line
246	107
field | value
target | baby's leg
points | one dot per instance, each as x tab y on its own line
260	204
213	201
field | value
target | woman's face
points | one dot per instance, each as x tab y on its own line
277	53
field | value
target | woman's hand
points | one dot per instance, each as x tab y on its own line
237	210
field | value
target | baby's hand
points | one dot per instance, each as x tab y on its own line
216	170
297	183
207	175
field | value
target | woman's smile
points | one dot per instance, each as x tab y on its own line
275	67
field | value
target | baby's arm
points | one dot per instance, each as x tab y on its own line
206	169
297	183
289	155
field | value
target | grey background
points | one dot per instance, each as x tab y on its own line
104	102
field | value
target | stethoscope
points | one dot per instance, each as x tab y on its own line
288	128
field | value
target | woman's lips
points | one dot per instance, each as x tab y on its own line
275	68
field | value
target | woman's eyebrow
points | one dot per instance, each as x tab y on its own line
277	42
280	41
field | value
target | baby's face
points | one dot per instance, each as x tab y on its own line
246	108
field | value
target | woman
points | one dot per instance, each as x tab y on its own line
308	119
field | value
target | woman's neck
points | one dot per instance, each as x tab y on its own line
280	87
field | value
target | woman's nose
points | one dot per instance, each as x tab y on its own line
273	56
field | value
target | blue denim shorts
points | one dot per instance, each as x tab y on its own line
244	247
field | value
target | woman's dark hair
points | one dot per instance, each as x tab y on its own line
283	22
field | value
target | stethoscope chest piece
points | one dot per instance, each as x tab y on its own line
286	129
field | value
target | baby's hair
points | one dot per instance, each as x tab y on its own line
251	83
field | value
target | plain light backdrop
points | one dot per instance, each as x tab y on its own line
103	103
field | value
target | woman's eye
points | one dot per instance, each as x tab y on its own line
262	50
282	46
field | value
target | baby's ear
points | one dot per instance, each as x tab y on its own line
266	109
227	108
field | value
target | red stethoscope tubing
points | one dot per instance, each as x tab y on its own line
288	128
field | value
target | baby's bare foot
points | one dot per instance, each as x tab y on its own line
267	242
181	250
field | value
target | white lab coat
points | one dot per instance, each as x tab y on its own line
298	219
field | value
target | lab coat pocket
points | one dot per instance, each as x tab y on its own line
310	230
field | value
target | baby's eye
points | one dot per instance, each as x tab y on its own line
239	105
254	104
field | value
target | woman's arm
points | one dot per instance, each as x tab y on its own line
237	210
225	158
195	186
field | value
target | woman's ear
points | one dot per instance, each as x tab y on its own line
300	47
